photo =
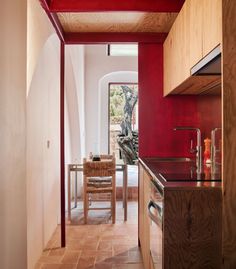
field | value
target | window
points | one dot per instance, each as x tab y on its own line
123	50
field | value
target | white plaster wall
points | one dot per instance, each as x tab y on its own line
75	119
43	155
39	29
103	110
43	166
75	100
13	246
97	65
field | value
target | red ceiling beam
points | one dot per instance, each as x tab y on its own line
118	5
106	38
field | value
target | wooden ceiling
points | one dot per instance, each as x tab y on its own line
107	22
99	21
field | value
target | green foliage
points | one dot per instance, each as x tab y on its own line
117	102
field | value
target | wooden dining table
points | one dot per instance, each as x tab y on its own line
76	168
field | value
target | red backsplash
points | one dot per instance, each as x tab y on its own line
209	113
158	115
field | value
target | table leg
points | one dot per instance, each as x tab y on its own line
123	189
125	184
75	189
69	195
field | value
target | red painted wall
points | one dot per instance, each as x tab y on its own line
209	113
158	115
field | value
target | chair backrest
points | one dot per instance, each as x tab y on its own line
104	168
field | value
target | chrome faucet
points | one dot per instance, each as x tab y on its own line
198	150
213	145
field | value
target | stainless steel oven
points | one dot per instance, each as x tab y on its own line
155	212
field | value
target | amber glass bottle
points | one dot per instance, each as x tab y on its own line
207	151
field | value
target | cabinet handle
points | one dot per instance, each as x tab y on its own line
157	186
157	219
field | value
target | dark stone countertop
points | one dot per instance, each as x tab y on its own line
178	173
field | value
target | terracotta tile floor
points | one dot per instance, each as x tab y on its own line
98	245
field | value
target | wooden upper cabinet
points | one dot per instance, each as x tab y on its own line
176	51
195	32
168	63
212	25
183	35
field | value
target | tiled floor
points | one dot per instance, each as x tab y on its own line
98	245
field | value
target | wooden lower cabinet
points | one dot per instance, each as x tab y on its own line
192	229
144	223
191	226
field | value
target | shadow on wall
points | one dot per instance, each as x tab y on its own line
43	150
74	108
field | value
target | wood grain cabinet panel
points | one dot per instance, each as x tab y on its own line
141	206
168	64
144	223
181	45
191	225
196	31
146	228
192	229
176	52
212	25
229	134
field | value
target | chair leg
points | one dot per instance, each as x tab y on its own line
85	208
113	213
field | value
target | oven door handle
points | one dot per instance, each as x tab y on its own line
157	219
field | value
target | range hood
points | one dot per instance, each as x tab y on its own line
209	65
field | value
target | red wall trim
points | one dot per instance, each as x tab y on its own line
62	144
105	38
121	5
45	4
53	18
57	25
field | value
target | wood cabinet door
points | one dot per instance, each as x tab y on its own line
168	63
176	52
146	222
212	25
183	43
141	207
195	31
